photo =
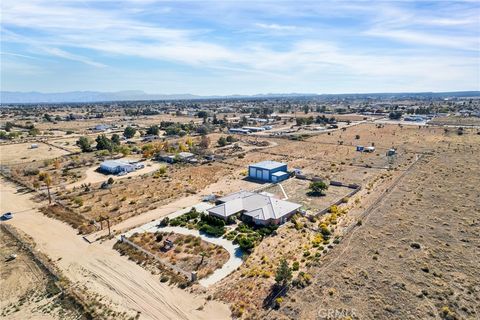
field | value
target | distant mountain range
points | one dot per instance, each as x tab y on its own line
8	97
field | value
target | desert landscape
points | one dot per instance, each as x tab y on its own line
142	243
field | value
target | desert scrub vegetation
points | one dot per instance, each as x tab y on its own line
189	253
149	263
74	219
247	236
195	220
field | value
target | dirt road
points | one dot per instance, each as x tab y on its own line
102	269
224	186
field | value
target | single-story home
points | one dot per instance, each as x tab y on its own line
181	156
101	127
261	209
254	129
117	166
150	138
268	171
238	130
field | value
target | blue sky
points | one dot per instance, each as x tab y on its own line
240	47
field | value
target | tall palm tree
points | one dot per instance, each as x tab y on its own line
47	180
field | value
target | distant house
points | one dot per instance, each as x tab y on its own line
268	171
117	166
254	129
185	155
150	138
261	209
181	156
166	157
238	130
101	128
415	118
261	120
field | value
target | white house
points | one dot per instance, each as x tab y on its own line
262	209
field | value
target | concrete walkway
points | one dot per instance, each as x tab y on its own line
234	250
150	227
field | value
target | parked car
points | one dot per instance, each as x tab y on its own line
6	216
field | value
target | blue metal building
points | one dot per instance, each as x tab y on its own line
268	171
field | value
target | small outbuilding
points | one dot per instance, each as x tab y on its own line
391	152
268	171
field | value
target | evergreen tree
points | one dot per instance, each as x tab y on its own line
85	144
284	273
129	132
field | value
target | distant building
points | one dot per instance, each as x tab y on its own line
254	129
391	152
101	127
261	120
261	209
238	130
268	171
150	138
117	166
181	156
415	118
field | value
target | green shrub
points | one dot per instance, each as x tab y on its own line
212	221
216	231
296	266
245	242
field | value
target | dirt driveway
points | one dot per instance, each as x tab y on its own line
92	176
102	269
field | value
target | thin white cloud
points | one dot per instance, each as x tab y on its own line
59	28
70	56
428	39
276	27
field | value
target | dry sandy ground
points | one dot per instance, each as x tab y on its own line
26	290
379	272
21	152
225	186
92	176
102	269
